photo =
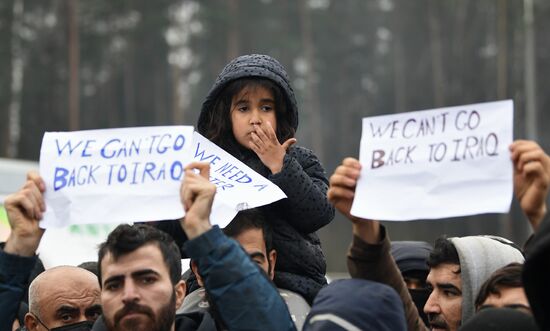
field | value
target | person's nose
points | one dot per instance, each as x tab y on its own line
130	292
255	117
432	305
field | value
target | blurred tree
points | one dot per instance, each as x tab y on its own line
150	63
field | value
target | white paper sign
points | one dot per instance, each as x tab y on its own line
238	186
114	175
438	163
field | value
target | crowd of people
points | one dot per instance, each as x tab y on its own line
266	269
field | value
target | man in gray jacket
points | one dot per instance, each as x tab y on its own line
456	273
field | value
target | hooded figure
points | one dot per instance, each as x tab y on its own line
411	258
480	256
536	275
354	305
301	263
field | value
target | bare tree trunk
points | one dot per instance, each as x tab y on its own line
129	88
74	62
177	105
233	42
502	55
6	69
311	101
399	72
530	71
437	55
16	83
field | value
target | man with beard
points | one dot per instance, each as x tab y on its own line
458	266
140	273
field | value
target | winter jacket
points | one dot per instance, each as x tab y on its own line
197	303
14	279
536	274
300	264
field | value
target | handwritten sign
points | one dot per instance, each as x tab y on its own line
238	186
114	175
436	163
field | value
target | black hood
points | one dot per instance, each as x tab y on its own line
536	275
411	255
246	66
361	303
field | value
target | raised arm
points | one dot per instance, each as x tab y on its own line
17	258
242	294
369	254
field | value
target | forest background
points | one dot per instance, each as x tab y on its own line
74	65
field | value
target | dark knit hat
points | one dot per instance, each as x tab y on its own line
248	66
500	319
411	255
356	304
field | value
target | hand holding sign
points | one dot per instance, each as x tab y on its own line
436	163
197	194
531	179
24	209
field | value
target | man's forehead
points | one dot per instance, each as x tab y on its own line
64	284
65	300
251	236
146	257
445	273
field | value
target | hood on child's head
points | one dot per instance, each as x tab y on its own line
249	66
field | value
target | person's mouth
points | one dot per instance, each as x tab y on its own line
129	313
438	327
133	314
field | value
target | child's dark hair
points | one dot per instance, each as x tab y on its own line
219	126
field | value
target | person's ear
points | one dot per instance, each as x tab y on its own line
180	288
195	270
30	322
272	256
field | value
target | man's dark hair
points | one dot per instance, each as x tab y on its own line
91	266
219	127
444	252
508	276
125	239
250	219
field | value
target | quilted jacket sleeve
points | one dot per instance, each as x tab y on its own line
304	181
243	295
14	276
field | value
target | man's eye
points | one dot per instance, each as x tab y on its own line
148	280
66	318
450	293
112	286
92	316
